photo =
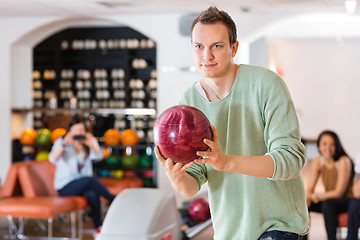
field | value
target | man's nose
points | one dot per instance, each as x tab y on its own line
208	55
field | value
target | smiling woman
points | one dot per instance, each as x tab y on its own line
336	171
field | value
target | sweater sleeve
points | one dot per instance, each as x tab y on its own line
281	129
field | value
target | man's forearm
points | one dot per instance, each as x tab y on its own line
186	185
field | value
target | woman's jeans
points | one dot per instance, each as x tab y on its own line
331	208
279	235
91	189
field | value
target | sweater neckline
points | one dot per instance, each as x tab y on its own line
201	92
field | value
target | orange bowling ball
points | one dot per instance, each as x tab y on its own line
129	137
106	152
112	137
56	133
28	136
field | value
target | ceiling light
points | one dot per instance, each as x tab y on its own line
350	6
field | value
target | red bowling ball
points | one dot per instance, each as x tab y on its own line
199	210
179	132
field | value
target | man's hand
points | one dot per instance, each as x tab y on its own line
213	156
174	171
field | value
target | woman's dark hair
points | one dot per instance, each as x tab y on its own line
339	150
76	119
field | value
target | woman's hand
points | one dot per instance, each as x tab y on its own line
89	140
68	138
213	156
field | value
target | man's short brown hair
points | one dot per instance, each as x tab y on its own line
213	15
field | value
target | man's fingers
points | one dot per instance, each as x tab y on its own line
159	156
202	160
206	154
189	164
210	143
170	164
214	132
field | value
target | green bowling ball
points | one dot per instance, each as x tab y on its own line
113	160
146	158
145	161
129	161
43	137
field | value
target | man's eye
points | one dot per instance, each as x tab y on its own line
217	46
198	46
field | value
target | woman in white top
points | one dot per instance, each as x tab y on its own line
73	155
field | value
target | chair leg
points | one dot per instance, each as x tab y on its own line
41	225
12	227
20	233
80	232
73	225
50	228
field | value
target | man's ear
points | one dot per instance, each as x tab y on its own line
234	48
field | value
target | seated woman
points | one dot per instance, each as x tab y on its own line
336	170
73	155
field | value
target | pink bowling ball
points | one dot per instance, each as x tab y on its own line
179	132
199	210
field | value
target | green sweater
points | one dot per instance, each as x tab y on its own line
256	118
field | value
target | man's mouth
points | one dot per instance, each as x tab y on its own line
208	65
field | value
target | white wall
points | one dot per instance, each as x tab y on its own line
323	77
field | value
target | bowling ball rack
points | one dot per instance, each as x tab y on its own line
189	227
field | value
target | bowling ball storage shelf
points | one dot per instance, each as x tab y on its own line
121	161
101	67
98	70
106	74
29	152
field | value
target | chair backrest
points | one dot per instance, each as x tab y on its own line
11	185
37	179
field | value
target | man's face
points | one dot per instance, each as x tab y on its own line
212	52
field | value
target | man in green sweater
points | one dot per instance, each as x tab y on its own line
253	167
